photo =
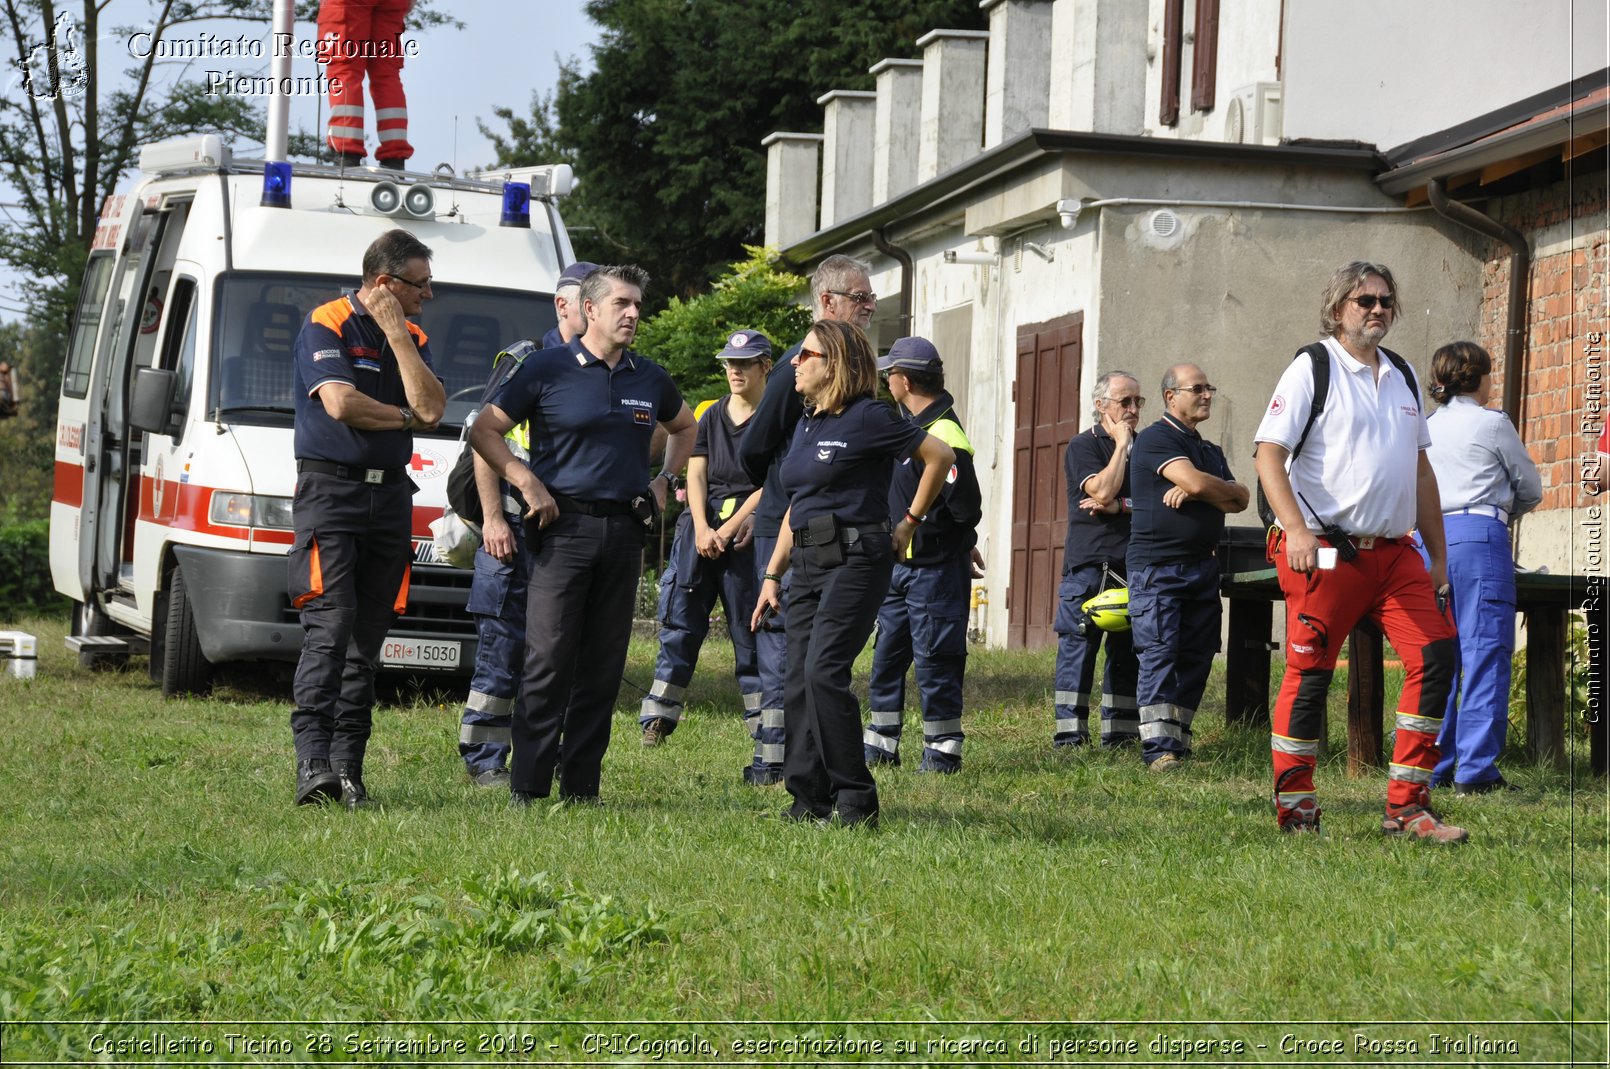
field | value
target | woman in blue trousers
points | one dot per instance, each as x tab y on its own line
1486	480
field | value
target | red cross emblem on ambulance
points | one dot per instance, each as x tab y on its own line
422	463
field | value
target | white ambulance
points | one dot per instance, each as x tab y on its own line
171	512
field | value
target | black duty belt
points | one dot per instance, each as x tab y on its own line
358	475
592	508
847	535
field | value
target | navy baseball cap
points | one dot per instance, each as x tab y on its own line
573	275
915	354
746	345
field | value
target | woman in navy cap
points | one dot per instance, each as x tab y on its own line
708	558
837	474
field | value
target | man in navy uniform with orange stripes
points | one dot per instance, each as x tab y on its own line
364	383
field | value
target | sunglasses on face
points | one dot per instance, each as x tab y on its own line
1369	301
417	285
1127	402
857	296
1198	389
806	354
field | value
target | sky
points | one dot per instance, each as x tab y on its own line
456	78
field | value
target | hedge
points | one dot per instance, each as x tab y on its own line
25	585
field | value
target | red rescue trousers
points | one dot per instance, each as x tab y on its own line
1388	583
358	37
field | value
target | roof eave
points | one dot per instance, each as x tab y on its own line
1037	144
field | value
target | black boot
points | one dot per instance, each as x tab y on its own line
350	775
315	782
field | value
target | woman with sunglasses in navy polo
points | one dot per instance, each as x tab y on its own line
837	535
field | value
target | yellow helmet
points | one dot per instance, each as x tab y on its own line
1109	610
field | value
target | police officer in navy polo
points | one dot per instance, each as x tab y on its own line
592	407
710	559
1182	490
841	291
924	616
364	383
498	591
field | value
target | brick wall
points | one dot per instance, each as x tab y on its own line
1568	287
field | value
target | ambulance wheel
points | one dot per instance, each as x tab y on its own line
185	670
88	621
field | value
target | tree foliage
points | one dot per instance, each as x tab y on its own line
28	439
754	294
665	132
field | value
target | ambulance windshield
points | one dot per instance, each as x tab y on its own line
258	316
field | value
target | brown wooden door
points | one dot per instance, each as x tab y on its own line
1049	356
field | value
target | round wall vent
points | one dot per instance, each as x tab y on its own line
1165	224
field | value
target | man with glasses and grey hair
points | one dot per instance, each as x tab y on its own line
1097	467
1345	491
1183	489
841	289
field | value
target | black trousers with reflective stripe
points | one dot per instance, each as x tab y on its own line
351	555
579	601
830	615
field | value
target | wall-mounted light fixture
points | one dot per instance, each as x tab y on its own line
977	257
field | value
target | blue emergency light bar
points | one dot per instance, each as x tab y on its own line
516	205
276	185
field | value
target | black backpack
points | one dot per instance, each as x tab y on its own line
1319	356
462	496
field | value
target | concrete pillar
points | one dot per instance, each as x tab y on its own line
897	127
952	99
847	125
1096	48
1018	86
791	163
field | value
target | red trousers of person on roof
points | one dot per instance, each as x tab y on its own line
358	38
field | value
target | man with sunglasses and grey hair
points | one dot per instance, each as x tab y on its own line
841	289
1097	467
1346	490
1183	489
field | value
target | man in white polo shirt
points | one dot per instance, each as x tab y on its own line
1346	489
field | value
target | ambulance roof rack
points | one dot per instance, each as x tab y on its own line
207	153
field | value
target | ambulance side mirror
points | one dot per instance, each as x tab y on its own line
151	407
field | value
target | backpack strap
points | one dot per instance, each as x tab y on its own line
1406	371
1319	357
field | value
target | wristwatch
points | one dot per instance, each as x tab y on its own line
407	417
672	480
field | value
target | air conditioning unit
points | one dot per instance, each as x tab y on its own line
1252	116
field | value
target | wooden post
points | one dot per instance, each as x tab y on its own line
1366	699
1545	685
1246	662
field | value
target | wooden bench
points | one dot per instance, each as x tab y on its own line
1546	601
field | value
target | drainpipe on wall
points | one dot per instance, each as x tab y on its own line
895	252
1515	317
1520	269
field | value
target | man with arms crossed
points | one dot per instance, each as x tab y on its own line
1183	488
1099	505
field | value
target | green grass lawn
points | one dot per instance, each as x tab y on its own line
155	870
